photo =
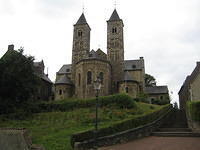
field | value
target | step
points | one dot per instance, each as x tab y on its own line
176	134
174	129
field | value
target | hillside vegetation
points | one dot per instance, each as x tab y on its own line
54	129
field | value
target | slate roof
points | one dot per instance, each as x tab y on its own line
128	77
114	16
64	80
157	90
133	65
81	20
65	69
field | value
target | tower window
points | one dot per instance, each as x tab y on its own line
114	30
79	79
80	33
89	77
101	77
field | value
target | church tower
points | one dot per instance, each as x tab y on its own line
81	42
115	48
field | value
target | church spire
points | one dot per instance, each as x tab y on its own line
114	16
81	20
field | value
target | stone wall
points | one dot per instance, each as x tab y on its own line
195	86
84	89
63	91
131	88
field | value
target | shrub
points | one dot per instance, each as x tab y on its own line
118	100
193	108
120	126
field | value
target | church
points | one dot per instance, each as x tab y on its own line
117	75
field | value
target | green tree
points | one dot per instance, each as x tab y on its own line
17	80
150	80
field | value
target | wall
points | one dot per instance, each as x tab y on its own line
195	86
84	90
133	88
66	91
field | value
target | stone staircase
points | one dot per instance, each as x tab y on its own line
176	126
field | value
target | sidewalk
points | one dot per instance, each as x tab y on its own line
159	143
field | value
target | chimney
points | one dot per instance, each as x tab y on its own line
11	47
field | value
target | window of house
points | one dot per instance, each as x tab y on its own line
79	79
60	92
101	77
133	66
89	77
68	70
161	97
80	33
126	89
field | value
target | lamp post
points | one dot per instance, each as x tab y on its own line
97	87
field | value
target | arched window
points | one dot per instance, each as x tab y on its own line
79	79
80	33
60	92
126	89
89	77
114	30
101	77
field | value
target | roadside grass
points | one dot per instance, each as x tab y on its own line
53	129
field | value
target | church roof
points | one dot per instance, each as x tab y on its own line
64	80
156	90
133	64
65	69
114	16
81	20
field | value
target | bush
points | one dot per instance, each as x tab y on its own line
193	108
160	102
118	100
120	126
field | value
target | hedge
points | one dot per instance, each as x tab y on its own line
193	108
119	100
120	126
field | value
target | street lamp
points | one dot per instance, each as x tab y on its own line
97	87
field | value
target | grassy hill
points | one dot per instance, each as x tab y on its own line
53	129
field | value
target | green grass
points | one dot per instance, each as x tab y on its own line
53	129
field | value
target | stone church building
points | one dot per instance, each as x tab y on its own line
117	75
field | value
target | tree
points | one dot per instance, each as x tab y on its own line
17	79
150	80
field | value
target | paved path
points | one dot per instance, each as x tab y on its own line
159	143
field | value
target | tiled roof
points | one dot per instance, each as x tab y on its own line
114	16
133	64
81	20
64	80
156	90
65	69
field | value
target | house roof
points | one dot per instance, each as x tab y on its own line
64	80
156	90
114	16
37	64
65	69
81	20
133	64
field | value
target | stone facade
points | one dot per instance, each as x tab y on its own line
190	90
118	75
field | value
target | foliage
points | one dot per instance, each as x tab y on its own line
193	108
53	129
160	101
17	80
142	97
120	126
119	100
150	80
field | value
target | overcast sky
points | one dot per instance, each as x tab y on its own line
165	32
